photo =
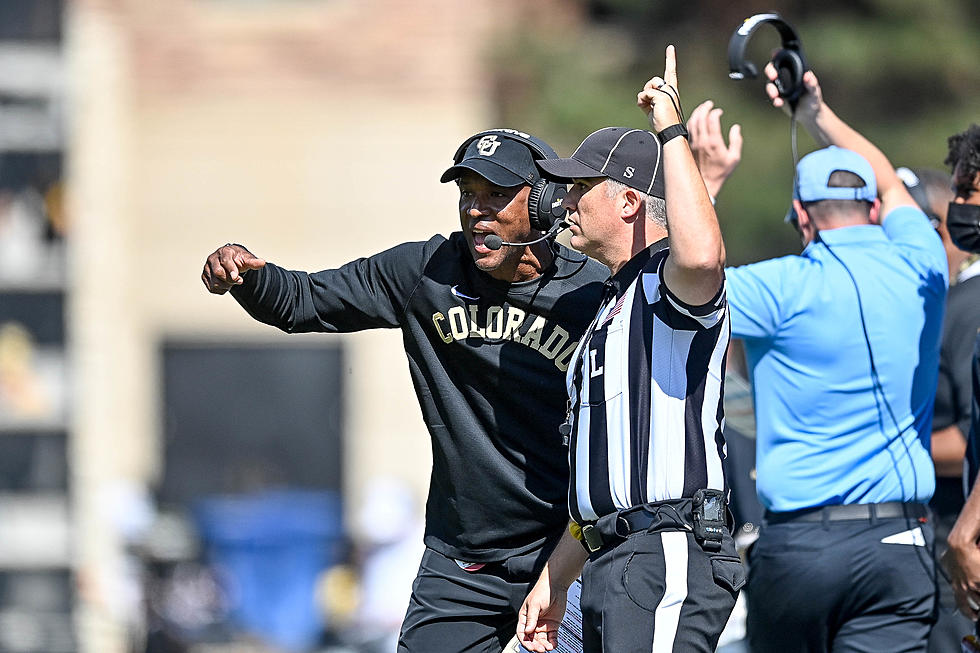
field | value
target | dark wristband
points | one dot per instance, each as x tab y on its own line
673	131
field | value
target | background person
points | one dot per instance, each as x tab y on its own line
962	560
932	191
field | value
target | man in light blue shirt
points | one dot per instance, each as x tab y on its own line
842	343
832	429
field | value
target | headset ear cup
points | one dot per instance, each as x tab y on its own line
556	197
789	74
537	206
544	204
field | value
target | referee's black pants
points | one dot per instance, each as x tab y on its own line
458	611
659	591
816	587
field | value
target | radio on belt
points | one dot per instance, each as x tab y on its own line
709	518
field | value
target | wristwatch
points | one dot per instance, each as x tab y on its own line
671	132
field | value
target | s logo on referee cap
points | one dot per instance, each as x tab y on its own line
488	145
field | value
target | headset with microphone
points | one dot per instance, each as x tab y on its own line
495	242
789	60
544	202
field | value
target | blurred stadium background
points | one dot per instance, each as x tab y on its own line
164	460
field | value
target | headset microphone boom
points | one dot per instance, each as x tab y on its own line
495	242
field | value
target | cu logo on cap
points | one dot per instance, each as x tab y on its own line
488	145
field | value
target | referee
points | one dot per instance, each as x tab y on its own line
646	447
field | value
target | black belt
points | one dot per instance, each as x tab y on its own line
870	512
612	529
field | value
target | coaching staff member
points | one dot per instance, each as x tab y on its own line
488	335
962	560
646	397
932	191
843	346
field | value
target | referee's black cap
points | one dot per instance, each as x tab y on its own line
502	161
630	156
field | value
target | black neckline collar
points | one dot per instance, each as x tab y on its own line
622	279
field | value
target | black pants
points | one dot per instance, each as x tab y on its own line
457	611
835	586
658	591
951	625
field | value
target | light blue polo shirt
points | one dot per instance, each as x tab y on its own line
824	434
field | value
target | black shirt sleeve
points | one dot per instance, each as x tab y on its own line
953	394
973	440
367	293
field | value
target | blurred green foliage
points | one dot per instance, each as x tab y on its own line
905	73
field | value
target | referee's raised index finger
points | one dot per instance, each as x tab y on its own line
670	67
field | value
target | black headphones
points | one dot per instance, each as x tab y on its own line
544	202
789	61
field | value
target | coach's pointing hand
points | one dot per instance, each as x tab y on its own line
225	267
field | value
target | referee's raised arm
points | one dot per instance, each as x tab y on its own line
694	269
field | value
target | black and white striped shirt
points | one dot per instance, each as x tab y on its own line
647	421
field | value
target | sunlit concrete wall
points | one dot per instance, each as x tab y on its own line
313	132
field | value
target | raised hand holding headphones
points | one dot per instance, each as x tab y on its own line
809	102
788	62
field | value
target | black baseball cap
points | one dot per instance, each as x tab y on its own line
630	156
501	160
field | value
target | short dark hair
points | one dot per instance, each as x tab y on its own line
964	153
825	208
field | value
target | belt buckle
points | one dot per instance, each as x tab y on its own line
591	538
